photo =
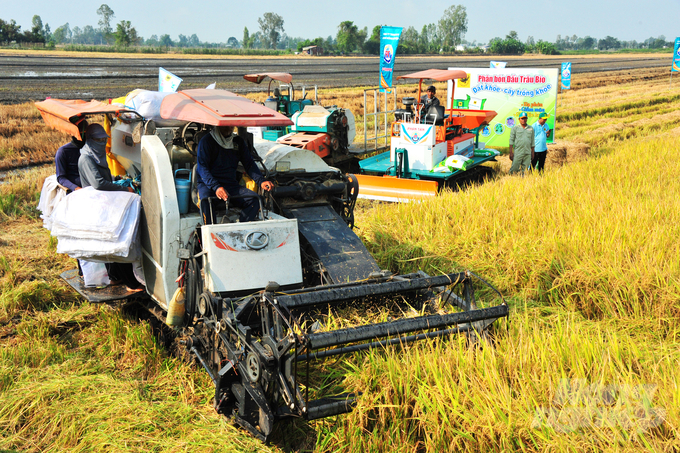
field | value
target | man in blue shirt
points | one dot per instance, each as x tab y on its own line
541	133
66	161
218	156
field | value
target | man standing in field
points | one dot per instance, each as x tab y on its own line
521	145
541	132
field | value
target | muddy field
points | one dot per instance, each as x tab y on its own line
28	76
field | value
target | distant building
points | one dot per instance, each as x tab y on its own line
461	48
312	50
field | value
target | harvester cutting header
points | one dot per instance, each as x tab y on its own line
249	301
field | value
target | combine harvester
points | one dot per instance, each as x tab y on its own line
258	294
420	142
327	131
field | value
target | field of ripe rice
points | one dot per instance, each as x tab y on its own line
585	254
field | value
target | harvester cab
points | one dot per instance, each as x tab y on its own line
327	131
251	302
282	102
428	149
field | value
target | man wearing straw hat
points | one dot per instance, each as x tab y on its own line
521	145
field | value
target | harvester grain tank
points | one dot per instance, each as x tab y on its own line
258	293
422	142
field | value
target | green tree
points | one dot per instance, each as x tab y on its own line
271	27
347	36
546	48
232	42
165	41
453	26
37	30
512	35
62	34
372	44
194	41
247	40
125	34
10	31
152	41
182	41
105	15
409	42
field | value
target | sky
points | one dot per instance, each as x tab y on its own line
216	21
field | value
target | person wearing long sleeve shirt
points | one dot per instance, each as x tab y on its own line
94	171
218	156
92	166
66	161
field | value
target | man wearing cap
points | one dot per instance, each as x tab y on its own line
428	100
521	145
541	133
92	166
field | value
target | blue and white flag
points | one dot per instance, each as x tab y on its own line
497	64
389	41
566	76
167	81
676	56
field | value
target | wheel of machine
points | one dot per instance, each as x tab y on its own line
203	303
253	367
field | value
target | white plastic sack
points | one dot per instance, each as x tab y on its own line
148	104
94	274
50	196
93	214
123	249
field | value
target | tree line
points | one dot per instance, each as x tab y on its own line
444	36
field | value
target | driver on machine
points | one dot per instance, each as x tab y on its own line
430	99
218	156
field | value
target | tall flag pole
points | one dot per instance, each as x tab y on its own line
389	41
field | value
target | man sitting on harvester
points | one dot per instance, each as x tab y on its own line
429	100
218	156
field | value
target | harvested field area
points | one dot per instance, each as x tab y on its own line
586	256
33	76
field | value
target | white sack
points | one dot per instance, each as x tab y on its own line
148	104
92	214
50	196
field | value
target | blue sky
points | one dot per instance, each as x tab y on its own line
216	21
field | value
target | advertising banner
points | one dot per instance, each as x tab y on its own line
497	64
389	40
676	56
508	92
566	76
167	81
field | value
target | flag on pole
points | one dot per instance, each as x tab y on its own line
566	76
389	41
167	81
497	64
676	56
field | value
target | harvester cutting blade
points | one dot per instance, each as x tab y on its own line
388	188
